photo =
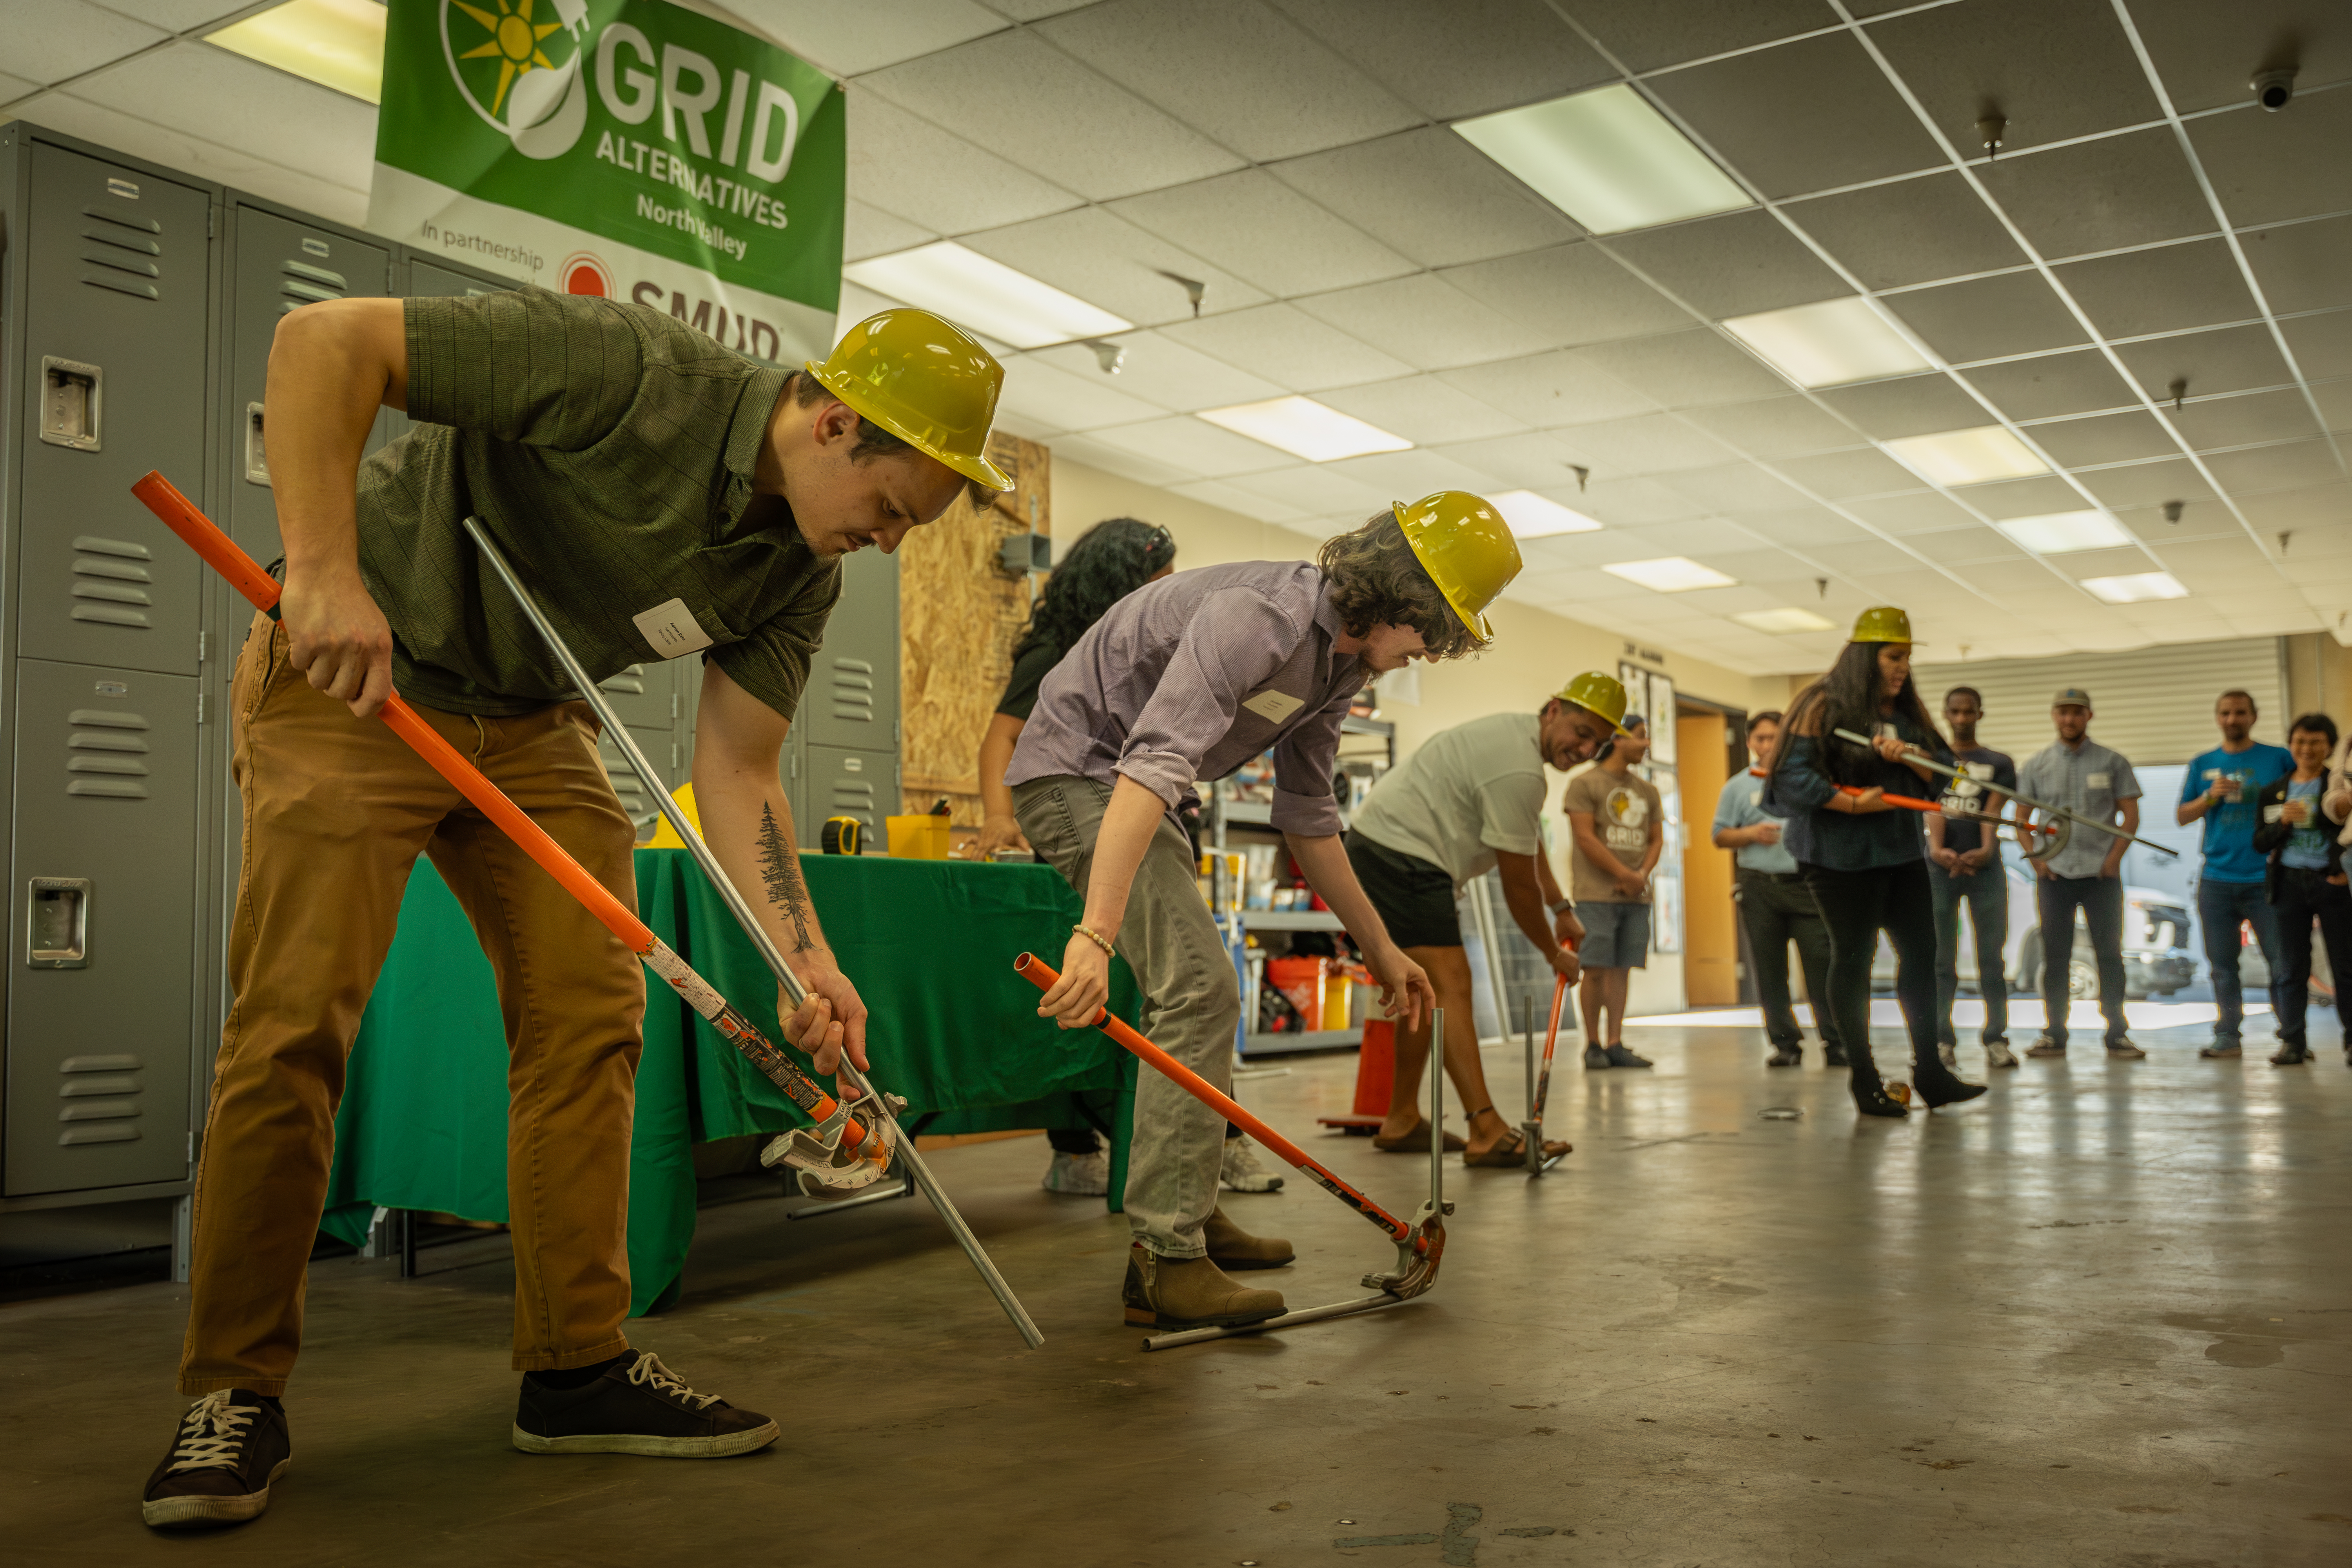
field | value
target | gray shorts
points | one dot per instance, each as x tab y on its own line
1616	936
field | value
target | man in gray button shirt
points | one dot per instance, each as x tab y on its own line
2078	773
1775	909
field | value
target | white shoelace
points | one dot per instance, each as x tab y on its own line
213	1432
649	1370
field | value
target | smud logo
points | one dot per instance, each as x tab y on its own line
520	73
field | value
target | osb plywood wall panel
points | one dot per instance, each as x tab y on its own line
959	614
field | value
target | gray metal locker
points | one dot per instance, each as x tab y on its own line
636	798
853	687
844	783
102	928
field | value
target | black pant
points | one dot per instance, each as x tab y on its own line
1986	892
2302	897
1856	906
1775	910
2101	899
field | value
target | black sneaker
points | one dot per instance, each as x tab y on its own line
2290	1056
1833	1057
230	1450
638	1406
2121	1049
1619	1057
1595	1057
1786	1057
2222	1050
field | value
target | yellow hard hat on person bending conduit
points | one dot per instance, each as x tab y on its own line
926	380
1603	695
1882	623
1467	548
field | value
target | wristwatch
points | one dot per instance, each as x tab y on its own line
1562	907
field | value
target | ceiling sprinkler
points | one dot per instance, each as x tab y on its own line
2172	511
1193	288
1990	130
1582	473
1109	356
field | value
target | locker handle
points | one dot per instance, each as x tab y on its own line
56	924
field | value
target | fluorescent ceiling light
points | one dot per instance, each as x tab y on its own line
984	296
1532	516
1606	159
1305	428
2065	531
1967	456
335	43
2137	588
1669	574
1780	622
1829	344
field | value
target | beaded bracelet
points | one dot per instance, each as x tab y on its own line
1097	938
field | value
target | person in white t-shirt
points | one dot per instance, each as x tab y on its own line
1470	800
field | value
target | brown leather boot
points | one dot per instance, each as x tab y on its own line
1231	1246
1179	1293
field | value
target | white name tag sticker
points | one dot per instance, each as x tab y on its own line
1274	705
2273	814
2096	781
672	630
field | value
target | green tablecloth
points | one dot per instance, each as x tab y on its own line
930	944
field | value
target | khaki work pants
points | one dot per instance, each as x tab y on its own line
336	811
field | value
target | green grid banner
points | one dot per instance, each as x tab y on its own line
628	148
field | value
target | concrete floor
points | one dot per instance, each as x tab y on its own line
2100	1317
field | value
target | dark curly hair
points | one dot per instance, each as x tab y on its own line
1847	698
1109	560
1376	577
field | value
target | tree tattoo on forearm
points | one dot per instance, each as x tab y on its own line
779	870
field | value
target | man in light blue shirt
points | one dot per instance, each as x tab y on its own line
1775	909
2219	788
2086	778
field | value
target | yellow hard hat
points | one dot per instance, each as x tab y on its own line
1598	693
1882	623
926	380
1467	548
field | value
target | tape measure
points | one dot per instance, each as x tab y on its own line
841	836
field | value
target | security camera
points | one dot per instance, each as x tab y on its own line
2273	88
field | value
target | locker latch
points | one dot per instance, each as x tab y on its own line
257	456
58	923
72	395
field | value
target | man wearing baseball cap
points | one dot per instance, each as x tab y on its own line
1468	800
2078	773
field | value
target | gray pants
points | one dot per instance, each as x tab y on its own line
1191	1006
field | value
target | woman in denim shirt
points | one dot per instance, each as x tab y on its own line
1863	860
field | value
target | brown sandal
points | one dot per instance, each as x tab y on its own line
1417	1142
1510	1152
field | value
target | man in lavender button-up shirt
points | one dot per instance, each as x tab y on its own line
1188	678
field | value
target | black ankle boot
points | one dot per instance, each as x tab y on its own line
1934	1082
1870	1096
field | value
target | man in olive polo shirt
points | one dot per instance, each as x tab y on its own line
664	497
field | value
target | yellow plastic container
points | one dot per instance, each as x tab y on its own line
664	835
921	838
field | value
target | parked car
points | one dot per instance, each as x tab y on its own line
2254	971
2157	960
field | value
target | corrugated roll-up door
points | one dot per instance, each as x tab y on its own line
2153	705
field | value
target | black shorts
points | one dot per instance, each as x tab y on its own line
1415	898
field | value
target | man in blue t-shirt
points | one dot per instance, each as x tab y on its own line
1964	866
2220	788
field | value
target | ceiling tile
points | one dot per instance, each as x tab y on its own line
2199	519
2304	266
2024	498
1068	401
2227	360
1260	229
1422	320
2335	399
1235	69
2245	419
912	168
1629	503
2322	344
1408	476
1035	10
2327	506
2205	53
13	88
1685	368
1961	546
1864	471
1919	511
1194	445
2294	465
2056	69
1990	318
1539	461
2162	290
49	40
1286	346
1646	444
2080	382
1737	488
1908	406
1107	262
1848	125
1424	411
1730	266
1808	527
1112	459
1569	294
1774	566
1774	426
1699	538
850	40
198	90
1912	231
1066	123
179	16
867	230
1316	490
2123	560
1233	498
2131	189
1465	58
1549	389
2146	484
1646	35
2270	168
1431	195
1166	373
2221	563
2103	439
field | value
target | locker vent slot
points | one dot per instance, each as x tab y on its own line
91	543
630	681
302	284
122	241
73	403
110	561
122	263
102	1096
311	273
106	745
121	285
120	232
853	691
124	217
